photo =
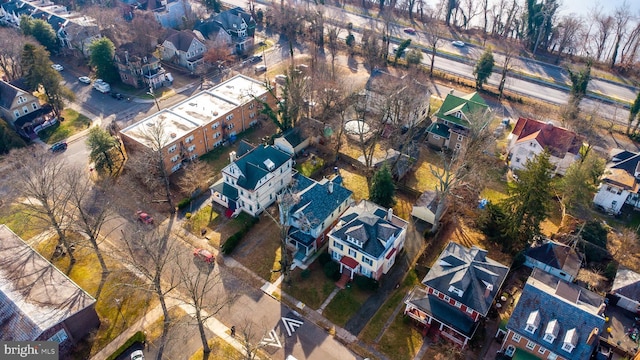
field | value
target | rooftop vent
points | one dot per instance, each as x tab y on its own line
270	165
173	135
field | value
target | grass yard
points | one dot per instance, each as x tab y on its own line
355	182
86	273
310	166
422	179
22	222
552	224
401	340
403	206
376	324
220	349
345	304
259	249
312	291
206	218
73	123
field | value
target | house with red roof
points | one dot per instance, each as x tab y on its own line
531	137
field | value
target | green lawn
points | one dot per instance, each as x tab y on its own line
307	168
204	218
402	340
345	304
73	123
22	222
312	291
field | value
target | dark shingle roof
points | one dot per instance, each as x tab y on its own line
572	306
469	270
208	28
557	255
368	226
627	283
445	313
181	39
316	203
294	137
252	164
7	94
467	104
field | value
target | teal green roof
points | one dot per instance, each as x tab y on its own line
225	189
439	129
467	104
253	167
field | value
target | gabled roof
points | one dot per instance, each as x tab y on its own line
429	200
228	18
556	255
367	223
34	294
208	28
181	39
316	202
238	11
293	137
470	271
442	311
439	129
252	164
466	104
621	170
627	283
8	93
572	306
558	141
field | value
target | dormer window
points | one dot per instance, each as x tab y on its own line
533	322
570	340
551	332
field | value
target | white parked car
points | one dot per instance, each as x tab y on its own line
260	68
84	79
101	86
281	78
458	43
137	355
57	67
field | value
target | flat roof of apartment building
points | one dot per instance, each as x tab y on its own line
165	125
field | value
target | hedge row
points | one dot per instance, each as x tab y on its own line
234	239
138	337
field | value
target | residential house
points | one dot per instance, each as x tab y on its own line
555	320
240	25
252	182
626	290
367	239
557	259
457	293
183	48
619	183
37	301
202	122
425	207
319	205
170	13
145	71
453	120
402	101
213	31
78	33
530	138
22	110
292	142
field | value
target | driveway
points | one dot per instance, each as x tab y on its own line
413	247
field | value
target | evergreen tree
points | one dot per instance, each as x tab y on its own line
101	145
9	139
102	59
579	82
383	189
42	31
528	203
483	68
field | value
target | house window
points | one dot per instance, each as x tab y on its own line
367	261
515	337
229	117
174	159
216	135
125	77
16	113
172	149
21	99
251	106
230	126
460	137
542	350
567	347
446	298
549	338
191	148
530	329
352	253
531	345
517	159
193	157
458	146
252	115
189	139
34	106
25	109
337	245
215	125
176	167
470	310
552	356
59	337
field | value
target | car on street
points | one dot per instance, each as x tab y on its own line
458	43
280	78
144	218
58	147
204	255
101	86
57	67
84	79
137	355
410	31
255	58
116	95
260	68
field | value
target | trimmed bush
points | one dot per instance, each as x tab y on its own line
183	203
137	337
366	283
332	270
234	240
324	258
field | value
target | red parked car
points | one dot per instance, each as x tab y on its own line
204	255
144	218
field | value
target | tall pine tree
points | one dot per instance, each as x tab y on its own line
383	190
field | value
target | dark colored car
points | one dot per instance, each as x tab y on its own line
58	147
255	58
116	95
144	218
204	255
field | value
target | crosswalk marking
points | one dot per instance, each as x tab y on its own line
291	324
271	339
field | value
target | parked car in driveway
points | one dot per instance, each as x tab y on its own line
144	218
101	86
204	255
58	147
57	67
260	68
137	355
84	79
458	43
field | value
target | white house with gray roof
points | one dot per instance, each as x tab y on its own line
319	205
367	239
251	182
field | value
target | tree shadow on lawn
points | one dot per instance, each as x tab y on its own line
259	249
312	289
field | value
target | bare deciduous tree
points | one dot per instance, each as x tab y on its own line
604	24
621	17
11	45
565	35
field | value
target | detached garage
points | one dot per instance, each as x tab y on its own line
626	287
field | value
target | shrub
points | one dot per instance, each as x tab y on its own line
595	235
332	270
137	337
366	283
188	215
324	258
234	239
305	274
183	203
610	271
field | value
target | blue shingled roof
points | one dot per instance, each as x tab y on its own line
300	182
555	299
369	228
316	203
300	236
446	313
252	164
